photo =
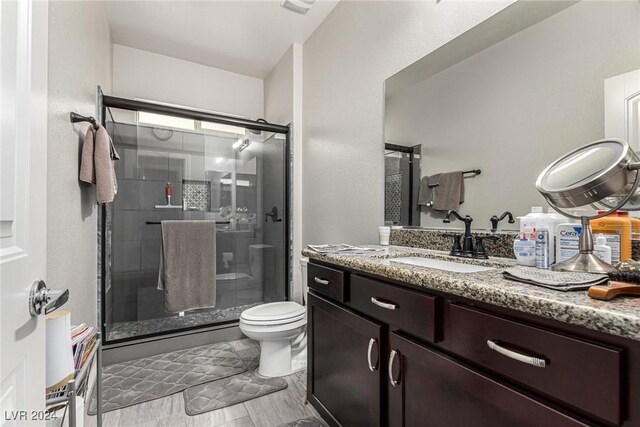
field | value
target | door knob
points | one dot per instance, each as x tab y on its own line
43	300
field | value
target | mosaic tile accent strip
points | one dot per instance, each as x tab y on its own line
196	195
393	197
619	317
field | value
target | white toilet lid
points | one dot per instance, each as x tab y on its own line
274	312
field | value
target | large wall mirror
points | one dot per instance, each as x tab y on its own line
509	96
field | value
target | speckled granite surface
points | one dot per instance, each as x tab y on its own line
442	240
618	317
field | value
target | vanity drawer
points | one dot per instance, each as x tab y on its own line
326	281
585	375
412	312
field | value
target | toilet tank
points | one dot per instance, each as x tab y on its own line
304	262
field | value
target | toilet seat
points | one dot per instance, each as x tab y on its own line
274	313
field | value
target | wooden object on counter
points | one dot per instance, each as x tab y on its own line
612	290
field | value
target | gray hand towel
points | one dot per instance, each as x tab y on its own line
188	265
449	193
427	185
96	165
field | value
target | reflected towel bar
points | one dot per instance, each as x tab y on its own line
472	171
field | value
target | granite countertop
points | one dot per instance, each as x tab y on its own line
620	316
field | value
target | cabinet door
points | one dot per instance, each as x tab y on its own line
344	353
427	388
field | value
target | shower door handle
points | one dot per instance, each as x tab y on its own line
273	214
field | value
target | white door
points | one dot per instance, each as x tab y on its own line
23	154
622	108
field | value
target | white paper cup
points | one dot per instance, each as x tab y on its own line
384	232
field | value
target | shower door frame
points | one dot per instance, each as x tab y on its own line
105	102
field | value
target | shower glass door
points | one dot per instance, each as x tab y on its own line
218	172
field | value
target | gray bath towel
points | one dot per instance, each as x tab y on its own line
449	193
427	185
96	165
188	265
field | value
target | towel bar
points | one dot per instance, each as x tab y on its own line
77	118
158	222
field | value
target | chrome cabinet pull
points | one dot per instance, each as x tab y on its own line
372	367
530	360
387	305
392	358
321	281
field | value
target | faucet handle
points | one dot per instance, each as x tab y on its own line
495	220
456	250
480	252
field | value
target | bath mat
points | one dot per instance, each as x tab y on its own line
304	422
230	391
137	381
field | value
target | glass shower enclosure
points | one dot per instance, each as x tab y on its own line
181	164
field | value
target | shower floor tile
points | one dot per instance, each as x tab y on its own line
139	328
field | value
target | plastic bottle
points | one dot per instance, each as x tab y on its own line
635	224
531	219
554	219
601	250
567	240
543	247
525	248
617	231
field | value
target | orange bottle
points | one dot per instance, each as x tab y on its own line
635	224
617	230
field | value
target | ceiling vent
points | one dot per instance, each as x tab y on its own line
298	6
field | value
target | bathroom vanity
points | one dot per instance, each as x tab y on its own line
400	345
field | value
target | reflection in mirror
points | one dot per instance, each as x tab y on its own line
514	93
401	181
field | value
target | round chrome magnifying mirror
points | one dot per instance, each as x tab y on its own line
603	174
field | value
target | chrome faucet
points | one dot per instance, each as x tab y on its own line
467	245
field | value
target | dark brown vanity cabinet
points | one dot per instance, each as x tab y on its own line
344	370
384	354
428	388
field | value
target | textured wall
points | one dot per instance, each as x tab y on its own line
146	75
79	59
346	61
513	108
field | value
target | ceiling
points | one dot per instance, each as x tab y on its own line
246	37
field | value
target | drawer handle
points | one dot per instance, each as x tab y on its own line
394	382
321	281
372	367
530	360
387	305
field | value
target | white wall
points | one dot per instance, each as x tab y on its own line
278	91
346	61
513	108
79	59
146	75
283	105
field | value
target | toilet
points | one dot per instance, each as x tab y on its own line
280	327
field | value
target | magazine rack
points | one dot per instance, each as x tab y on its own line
79	385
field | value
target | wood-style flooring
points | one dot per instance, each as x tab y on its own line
267	411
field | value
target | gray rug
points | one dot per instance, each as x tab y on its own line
129	383
304	422
230	391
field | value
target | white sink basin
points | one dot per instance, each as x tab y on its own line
442	265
